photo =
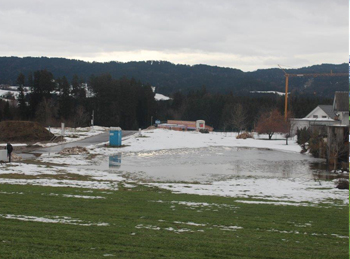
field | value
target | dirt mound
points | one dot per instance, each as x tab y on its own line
74	151
244	135
15	158
23	131
343	184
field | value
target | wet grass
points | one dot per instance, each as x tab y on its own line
60	175
152	223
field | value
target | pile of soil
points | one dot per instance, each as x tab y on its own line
244	135
74	151
23	131
15	158
343	184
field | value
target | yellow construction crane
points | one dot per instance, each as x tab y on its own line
301	75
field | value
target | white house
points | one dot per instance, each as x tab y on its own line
326	115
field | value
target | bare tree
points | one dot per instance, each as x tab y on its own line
238	117
81	117
271	122
337	151
46	112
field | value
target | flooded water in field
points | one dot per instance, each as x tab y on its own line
214	163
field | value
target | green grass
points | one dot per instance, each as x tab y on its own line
268	231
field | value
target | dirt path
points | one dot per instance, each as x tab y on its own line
104	137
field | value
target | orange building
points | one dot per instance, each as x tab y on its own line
181	125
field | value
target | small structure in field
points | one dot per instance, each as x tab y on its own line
185	125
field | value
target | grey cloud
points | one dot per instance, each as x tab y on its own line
278	28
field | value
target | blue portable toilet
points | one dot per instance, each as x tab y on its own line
115	136
115	161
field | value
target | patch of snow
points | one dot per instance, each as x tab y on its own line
278	203
287	190
147	227
72	160
12	92
78	196
338	236
11	193
160	97
269	92
126	185
14	145
26	169
178	230
199	204
190	223
36	170
228	228
56	219
62	183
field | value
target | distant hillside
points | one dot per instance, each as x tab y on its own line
169	78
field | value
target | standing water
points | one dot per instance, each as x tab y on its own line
211	164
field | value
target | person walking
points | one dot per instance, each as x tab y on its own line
9	150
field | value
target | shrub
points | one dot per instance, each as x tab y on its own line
303	135
317	146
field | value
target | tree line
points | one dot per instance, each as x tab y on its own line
130	104
170	78
115	102
228	112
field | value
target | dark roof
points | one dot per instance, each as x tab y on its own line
341	101
328	109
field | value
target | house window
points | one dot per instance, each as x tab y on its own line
315	116
324	116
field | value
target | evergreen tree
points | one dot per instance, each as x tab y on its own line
43	84
7	112
65	102
20	79
75	86
30	79
21	98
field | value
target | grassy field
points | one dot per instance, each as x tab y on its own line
144	222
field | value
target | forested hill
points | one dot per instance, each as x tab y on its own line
169	78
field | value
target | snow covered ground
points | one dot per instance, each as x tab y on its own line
167	139
268	92
268	189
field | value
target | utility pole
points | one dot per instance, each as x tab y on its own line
92	118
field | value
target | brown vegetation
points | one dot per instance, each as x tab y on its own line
245	135
271	122
74	151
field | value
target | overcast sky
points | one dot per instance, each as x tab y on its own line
243	34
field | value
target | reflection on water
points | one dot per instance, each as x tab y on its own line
215	163
115	161
28	156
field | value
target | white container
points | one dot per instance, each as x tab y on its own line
200	124
3	155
